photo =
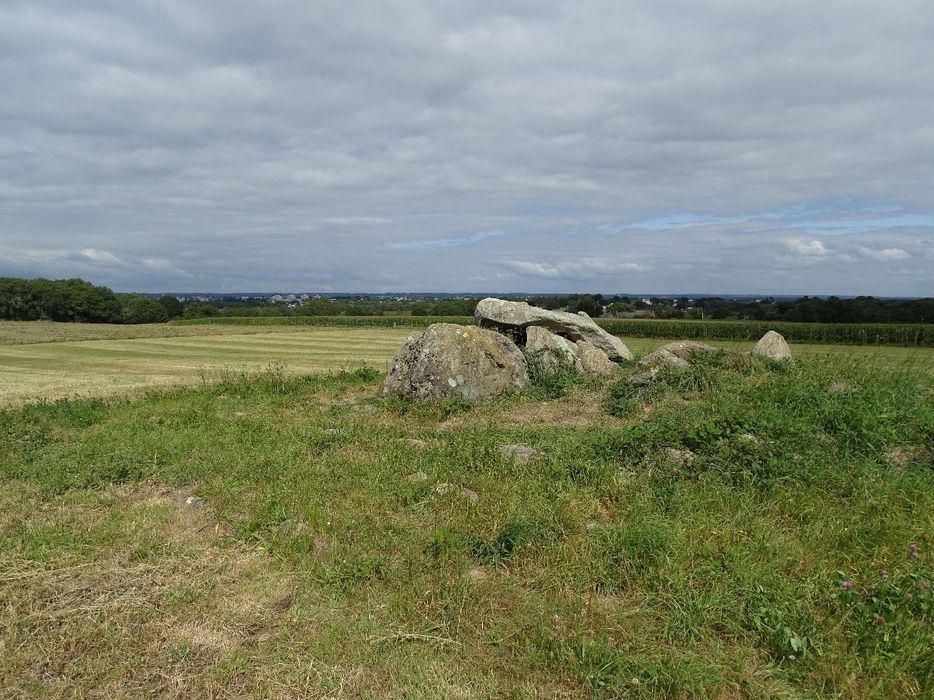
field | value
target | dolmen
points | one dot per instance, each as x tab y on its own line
484	361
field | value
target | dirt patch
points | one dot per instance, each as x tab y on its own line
581	409
906	455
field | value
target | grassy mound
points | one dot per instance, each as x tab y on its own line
738	528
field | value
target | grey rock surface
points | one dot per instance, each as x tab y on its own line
677	354
523	454
772	345
593	360
551	350
500	313
451	361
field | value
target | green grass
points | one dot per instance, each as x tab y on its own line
777	563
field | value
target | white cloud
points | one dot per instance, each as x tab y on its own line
807	248
357	220
574	269
885	253
101	256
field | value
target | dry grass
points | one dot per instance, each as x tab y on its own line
26	332
164	609
55	370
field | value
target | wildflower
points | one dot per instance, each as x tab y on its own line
847	584
885	575
913	550
880	620
909	597
924	584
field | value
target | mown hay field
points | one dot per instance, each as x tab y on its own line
46	361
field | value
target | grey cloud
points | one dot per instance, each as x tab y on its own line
325	146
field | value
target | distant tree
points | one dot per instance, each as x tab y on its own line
618	307
318	307
140	309
589	305
173	307
198	309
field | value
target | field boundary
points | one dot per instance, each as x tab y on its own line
899	334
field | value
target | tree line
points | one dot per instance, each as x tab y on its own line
75	300
80	301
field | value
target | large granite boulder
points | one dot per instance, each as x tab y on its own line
593	360
551	351
499	313
772	345
451	361
677	354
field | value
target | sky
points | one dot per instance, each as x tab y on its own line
511	146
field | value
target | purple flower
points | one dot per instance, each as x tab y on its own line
847	584
909	597
885	575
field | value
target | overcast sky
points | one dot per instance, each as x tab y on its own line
518	145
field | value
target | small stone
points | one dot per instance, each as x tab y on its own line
522	454
475	574
443	488
293	527
749	438
772	345
683	458
194	501
417	477
333	431
417	444
644	378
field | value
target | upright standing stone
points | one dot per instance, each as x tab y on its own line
550	350
772	345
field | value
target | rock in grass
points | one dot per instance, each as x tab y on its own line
772	345
523	454
499	313
677	354
551	351
443	488
642	379
683	458
593	360
451	361
417	477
